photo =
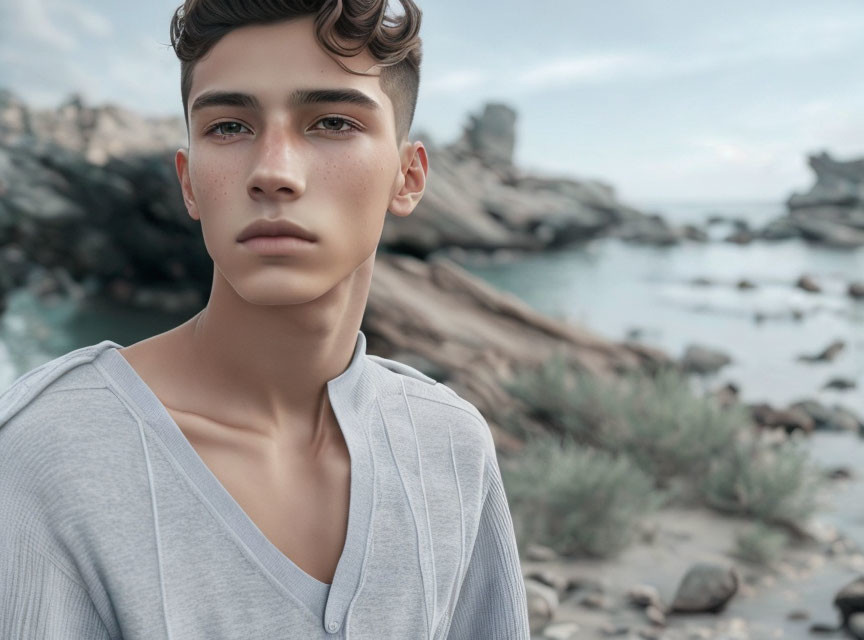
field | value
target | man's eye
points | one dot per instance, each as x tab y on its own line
333	124
226	123
338	122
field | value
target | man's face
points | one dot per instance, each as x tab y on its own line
333	168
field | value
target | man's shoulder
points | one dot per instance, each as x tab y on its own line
418	383
442	406
57	398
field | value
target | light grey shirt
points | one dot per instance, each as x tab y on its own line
112	526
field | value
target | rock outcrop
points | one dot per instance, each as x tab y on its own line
831	213
98	133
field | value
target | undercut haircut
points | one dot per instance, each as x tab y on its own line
342	28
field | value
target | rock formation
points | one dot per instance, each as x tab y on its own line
831	213
98	133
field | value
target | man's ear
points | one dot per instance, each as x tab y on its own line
411	180
181	162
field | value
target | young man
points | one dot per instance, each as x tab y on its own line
253	473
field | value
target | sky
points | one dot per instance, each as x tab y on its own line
679	101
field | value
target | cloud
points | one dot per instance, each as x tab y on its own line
33	22
146	76
740	153
579	68
454	81
50	24
89	22
790	39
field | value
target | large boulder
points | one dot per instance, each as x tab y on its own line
831	213
492	134
837	183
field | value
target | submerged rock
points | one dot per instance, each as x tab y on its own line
850	601
825	418
790	419
827	354
703	360
840	384
808	283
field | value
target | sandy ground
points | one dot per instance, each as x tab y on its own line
804	580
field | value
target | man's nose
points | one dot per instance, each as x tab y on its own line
279	169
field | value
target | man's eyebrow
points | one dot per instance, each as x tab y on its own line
298	97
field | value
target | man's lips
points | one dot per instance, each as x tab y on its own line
277	227
276	245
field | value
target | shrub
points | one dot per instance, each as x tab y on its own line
576	500
760	544
616	449
774	483
692	448
659	422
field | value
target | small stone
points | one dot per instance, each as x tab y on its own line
656	616
856	625
644	595
542	604
808	284
650	633
703	360
614	629
594	601
584	584
561	631
559	583
838	473
840	384
822	627
539	553
798	614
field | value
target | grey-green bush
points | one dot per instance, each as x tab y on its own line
774	483
576	500
760	544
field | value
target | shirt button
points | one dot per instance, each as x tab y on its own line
334	626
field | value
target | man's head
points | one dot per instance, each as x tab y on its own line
281	128
342	27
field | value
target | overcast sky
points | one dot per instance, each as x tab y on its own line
674	100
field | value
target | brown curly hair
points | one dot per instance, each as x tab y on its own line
393	41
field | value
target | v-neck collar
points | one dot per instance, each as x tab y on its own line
351	394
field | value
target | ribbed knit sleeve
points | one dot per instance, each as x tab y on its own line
39	601
492	604
42	596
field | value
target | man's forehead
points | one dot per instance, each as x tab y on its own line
283	61
289	44
296	99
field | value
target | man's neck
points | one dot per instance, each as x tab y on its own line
265	368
